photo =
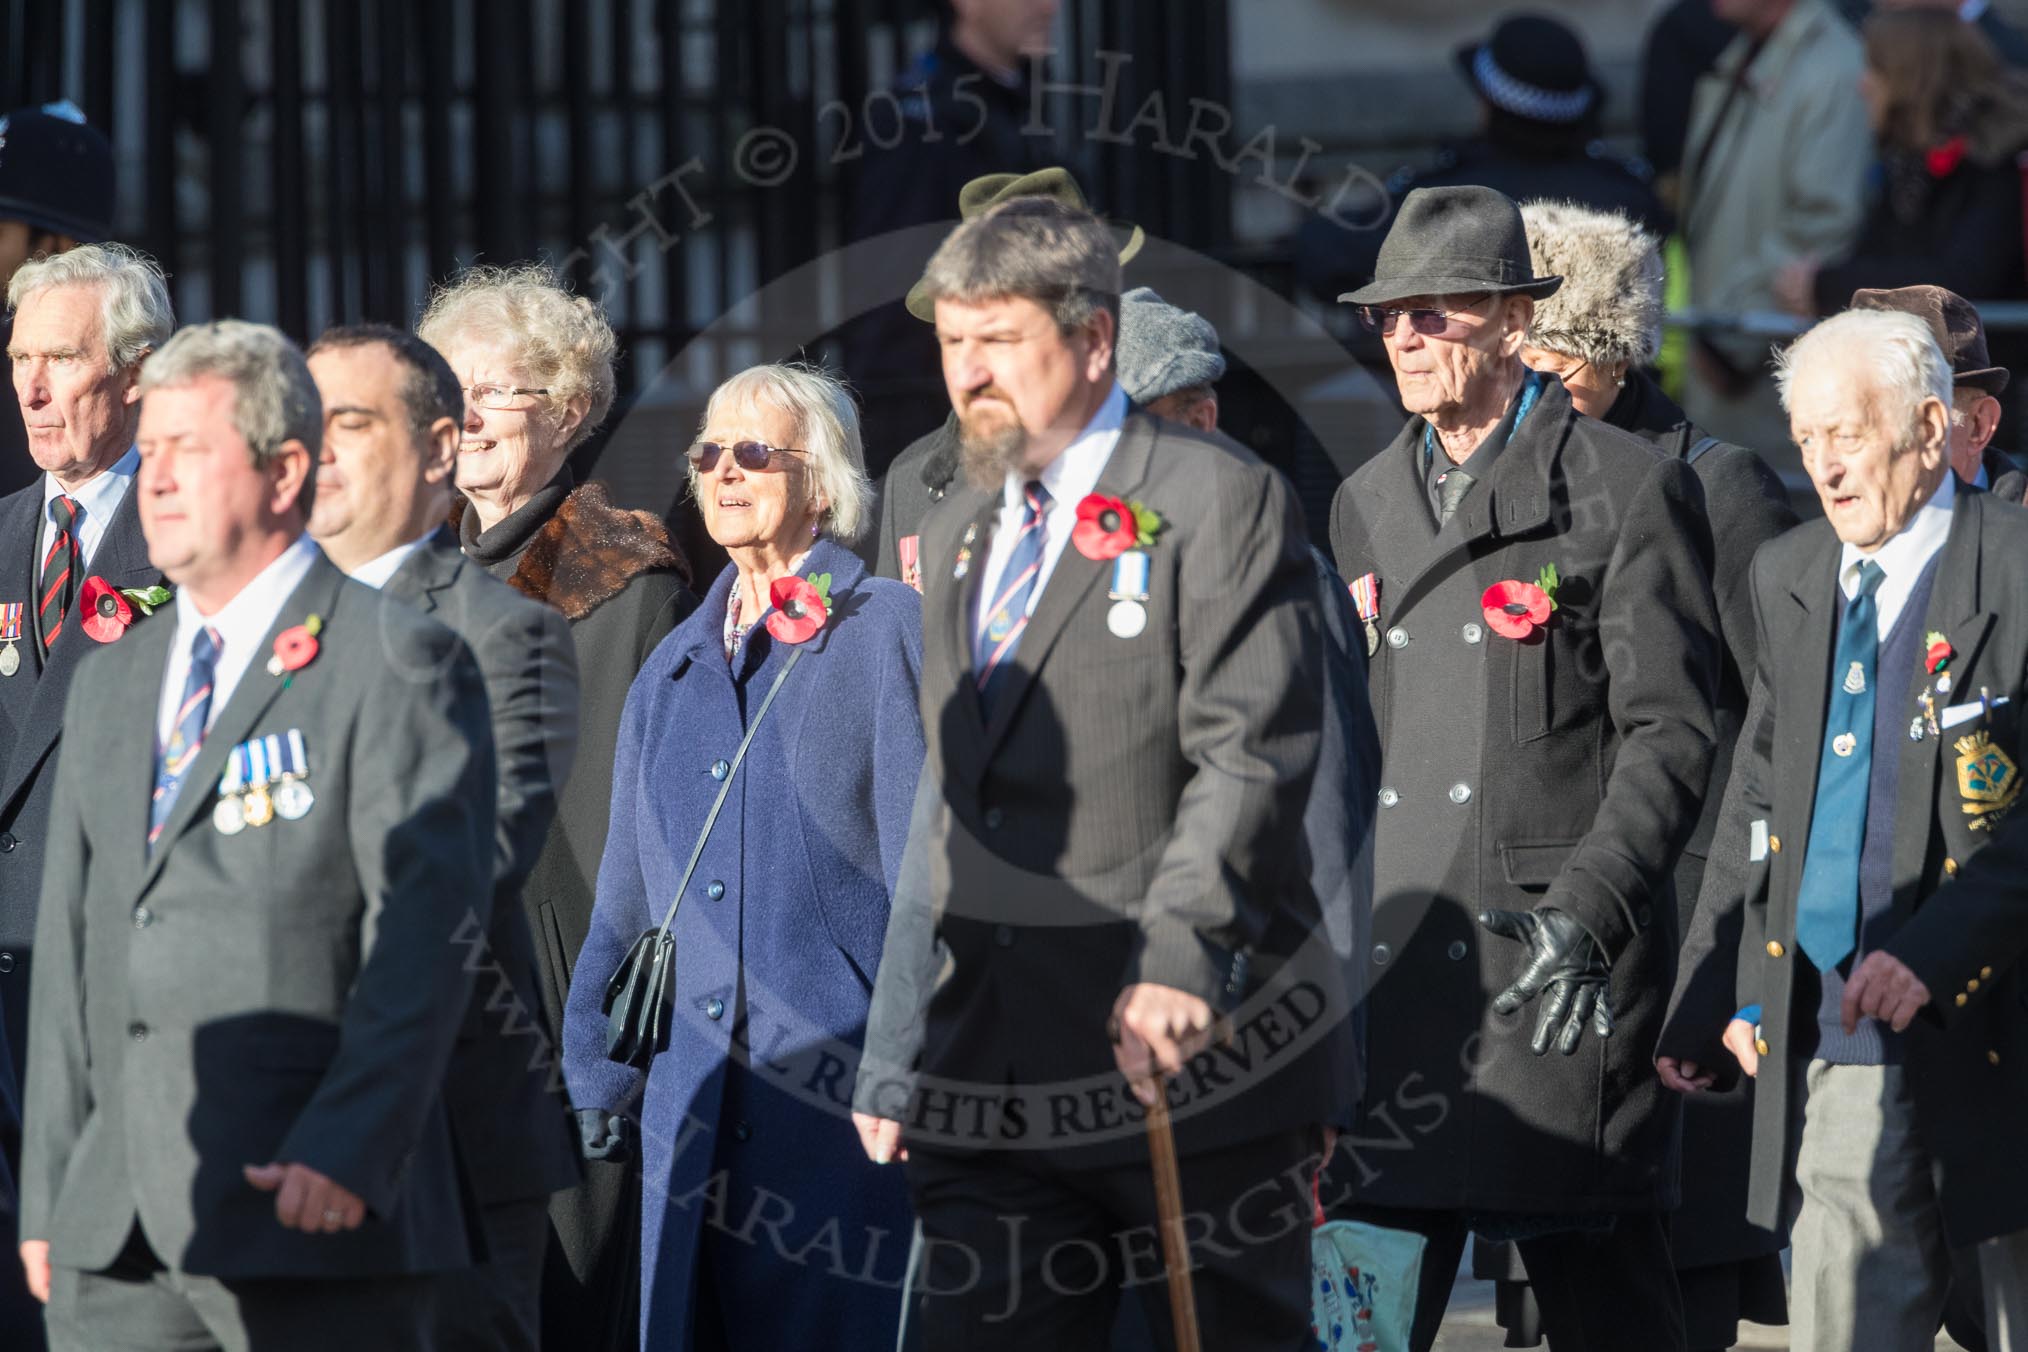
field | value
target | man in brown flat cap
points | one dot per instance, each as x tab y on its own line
1976	384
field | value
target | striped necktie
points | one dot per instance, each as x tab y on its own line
62	570
1008	616
174	760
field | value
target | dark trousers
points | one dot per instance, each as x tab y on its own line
139	1305
591	1282
1598	1292
495	1306
20	1313
1021	1254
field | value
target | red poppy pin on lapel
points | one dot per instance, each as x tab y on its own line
1108	527
295	648
108	611
801	607
1516	609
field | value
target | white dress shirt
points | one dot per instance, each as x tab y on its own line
376	572
96	503
1904	557
1069	478
242	625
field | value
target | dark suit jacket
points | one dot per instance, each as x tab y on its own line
291	992
1564	770
917	480
1131	812
508	1118
31	721
1958	889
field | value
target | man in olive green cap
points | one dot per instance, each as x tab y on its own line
924	471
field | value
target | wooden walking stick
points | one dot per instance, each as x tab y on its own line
1169	1216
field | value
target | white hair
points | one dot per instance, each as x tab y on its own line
827	428
1902	354
564	342
135	316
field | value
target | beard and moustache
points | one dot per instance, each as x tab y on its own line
990	442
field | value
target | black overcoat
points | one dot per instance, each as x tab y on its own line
1562	770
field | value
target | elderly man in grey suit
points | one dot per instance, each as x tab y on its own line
249	980
392	407
1122	689
83	322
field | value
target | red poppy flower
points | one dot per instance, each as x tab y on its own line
1944	159
799	610
1938	654
106	612
1105	528
1516	609
293	650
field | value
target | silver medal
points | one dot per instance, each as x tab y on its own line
293	799
1943	684
1915	729
1127	619
1855	679
228	816
10	660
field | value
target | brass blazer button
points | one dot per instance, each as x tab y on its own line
1985	974
1775	949
1774	844
1962	998
1993	1057
1760	1045
1951	867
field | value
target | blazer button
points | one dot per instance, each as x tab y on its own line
1775	949
138	1031
1473	633
1962	999
7	842
1003	935
1760	1045
1381	953
714	1009
1458	950
743	1132
1985	973
1993	1058
1461	793
1774	844
1972	985
1951	867
720	769
716	890
143	917
1388	798
1397	637
6	963
993	818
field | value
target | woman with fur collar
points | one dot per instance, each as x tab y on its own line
1596	334
537	366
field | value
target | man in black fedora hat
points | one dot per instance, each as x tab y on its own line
1540	116
1976	383
1535	587
56	192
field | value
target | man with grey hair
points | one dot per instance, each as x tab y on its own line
1881	966
250	980
1121	692
83	322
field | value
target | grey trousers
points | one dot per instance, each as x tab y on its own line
1872	1268
138	1305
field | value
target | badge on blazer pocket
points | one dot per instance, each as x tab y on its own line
1988	780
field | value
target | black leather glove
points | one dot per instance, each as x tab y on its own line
1563	959
604	1136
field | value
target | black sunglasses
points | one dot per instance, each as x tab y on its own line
1381	319
751	456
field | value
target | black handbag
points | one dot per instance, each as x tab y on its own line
641	993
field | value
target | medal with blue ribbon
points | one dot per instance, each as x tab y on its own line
228	815
1129	592
293	798
10	631
259	804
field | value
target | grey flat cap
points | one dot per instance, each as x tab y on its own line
1454	242
1163	349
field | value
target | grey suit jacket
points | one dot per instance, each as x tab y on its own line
503	1090
1132	811
288	993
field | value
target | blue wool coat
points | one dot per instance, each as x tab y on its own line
754	1181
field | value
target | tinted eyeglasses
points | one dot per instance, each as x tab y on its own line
1381	319
751	456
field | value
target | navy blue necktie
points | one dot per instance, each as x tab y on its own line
1827	906
188	735
1008	617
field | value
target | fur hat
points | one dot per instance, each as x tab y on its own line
1609	309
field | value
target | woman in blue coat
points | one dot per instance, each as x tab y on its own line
763	1225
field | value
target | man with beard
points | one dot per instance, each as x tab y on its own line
1122	689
